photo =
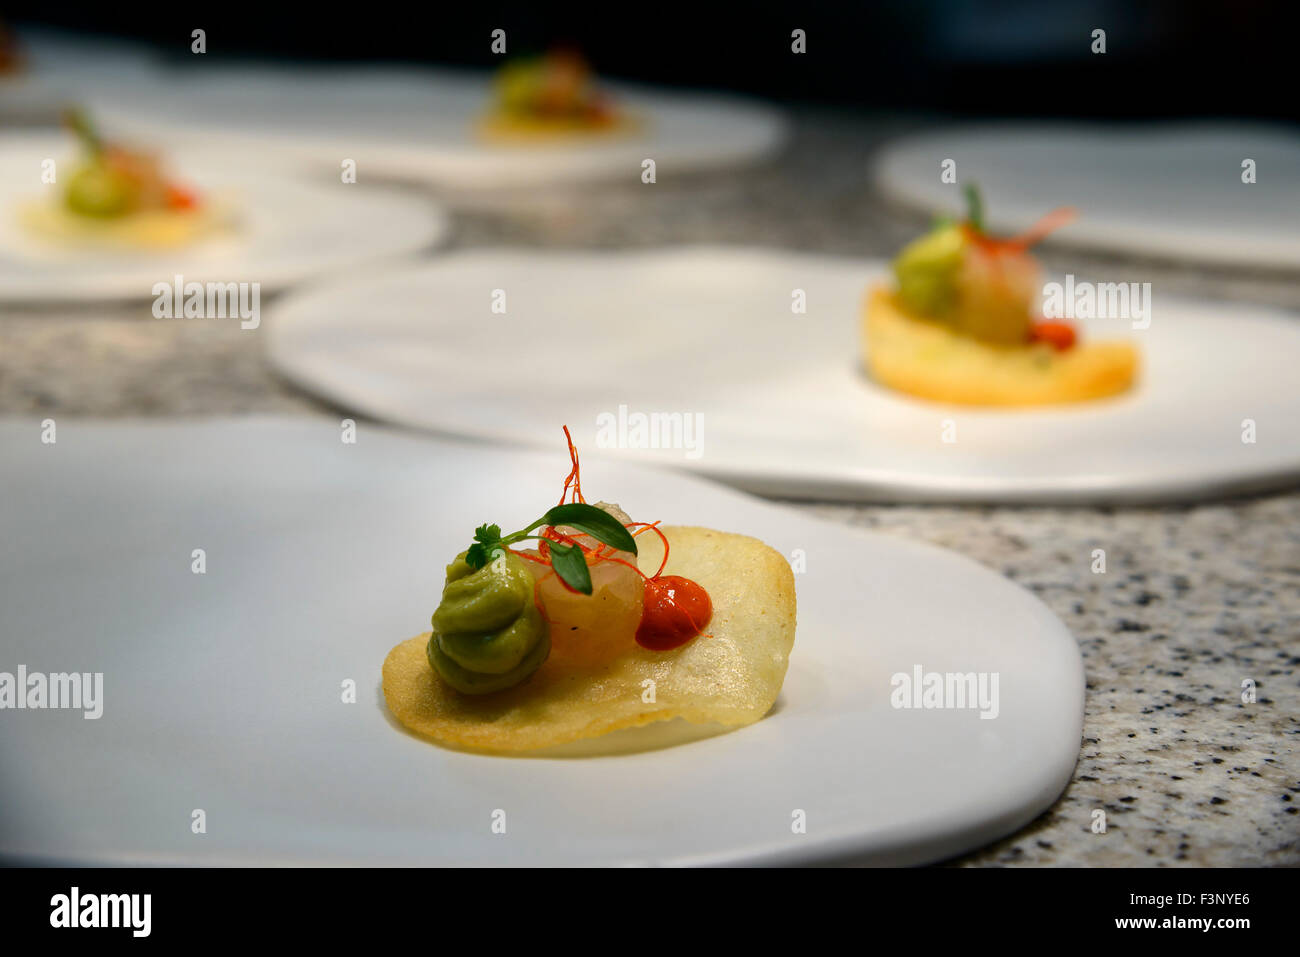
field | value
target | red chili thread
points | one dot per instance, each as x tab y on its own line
600	552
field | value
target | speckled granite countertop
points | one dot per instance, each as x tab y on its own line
1195	599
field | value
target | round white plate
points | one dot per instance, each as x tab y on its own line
592	339
222	691
1171	190
286	229
418	124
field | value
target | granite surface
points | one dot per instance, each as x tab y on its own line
1195	599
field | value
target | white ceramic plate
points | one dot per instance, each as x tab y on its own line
285	229
1171	189
418	124
785	406
222	691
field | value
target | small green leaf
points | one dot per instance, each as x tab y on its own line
77	121
487	534
597	523
571	565
974	207
476	556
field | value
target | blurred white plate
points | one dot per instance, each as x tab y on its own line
221	691
1170	189
785	406
285	230
418	124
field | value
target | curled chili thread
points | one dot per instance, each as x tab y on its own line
1051	222
657	585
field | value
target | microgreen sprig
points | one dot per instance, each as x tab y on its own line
568	561
974	207
81	126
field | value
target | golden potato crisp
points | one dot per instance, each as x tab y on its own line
730	676
510	129
152	229
930	360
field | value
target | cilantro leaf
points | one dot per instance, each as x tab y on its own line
487	534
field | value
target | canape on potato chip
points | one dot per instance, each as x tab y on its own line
119	197
550	97
606	624
961	325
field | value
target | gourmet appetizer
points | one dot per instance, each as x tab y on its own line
962	324
549	96
12	61
118	196
604	623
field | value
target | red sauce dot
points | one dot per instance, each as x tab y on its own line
675	610
1059	335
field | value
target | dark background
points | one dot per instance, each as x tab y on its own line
997	57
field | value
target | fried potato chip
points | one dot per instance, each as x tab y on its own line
506	129
930	360
731	675
153	229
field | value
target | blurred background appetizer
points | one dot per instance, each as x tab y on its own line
12	61
962	324
116	195
551	95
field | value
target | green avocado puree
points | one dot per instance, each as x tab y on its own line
927	270
487	631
